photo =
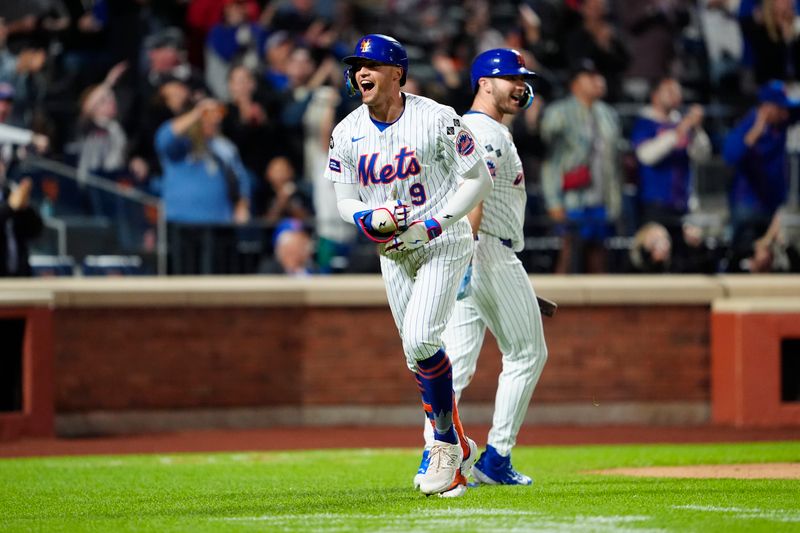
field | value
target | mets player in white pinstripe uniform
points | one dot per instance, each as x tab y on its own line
406	171
497	293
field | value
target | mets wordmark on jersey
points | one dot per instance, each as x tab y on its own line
417	159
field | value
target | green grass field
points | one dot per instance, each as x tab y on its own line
370	490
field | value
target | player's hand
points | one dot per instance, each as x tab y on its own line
382	223
378	225
418	234
400	212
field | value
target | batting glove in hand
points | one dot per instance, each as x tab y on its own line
417	234
382	224
400	212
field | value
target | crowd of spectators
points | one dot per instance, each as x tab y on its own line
224	108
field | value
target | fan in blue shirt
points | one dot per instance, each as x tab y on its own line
756	149
665	143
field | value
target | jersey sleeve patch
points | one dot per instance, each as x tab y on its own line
335	165
492	168
465	144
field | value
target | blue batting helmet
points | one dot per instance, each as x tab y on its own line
380	48
498	62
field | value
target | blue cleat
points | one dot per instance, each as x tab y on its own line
423	467
494	469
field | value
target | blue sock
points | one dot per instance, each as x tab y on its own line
426	402
435	379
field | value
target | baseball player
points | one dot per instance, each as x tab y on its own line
406	171
500	295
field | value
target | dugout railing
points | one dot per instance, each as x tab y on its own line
89	215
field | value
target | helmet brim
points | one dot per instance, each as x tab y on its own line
354	60
522	71
351	60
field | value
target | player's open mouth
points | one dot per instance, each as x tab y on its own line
367	86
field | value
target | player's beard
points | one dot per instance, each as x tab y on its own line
507	104
504	100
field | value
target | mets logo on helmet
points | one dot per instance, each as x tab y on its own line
366	44
465	144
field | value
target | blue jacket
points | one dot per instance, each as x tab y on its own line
665	183
760	182
195	189
224	41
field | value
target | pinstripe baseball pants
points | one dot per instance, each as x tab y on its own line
421	285
503	300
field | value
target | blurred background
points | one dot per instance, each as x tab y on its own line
190	136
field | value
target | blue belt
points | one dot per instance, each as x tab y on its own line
505	242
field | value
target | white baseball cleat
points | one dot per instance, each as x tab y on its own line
457	489
444	463
466	464
459	486
423	467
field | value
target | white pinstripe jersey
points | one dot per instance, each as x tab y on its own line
421	155
504	208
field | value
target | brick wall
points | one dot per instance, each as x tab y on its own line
207	357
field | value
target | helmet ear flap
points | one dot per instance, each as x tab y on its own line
350	84
526	98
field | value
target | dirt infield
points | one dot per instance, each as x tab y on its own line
743	471
368	437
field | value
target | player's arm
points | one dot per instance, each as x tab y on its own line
476	186
497	148
348	202
457	144
475	218
379	225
